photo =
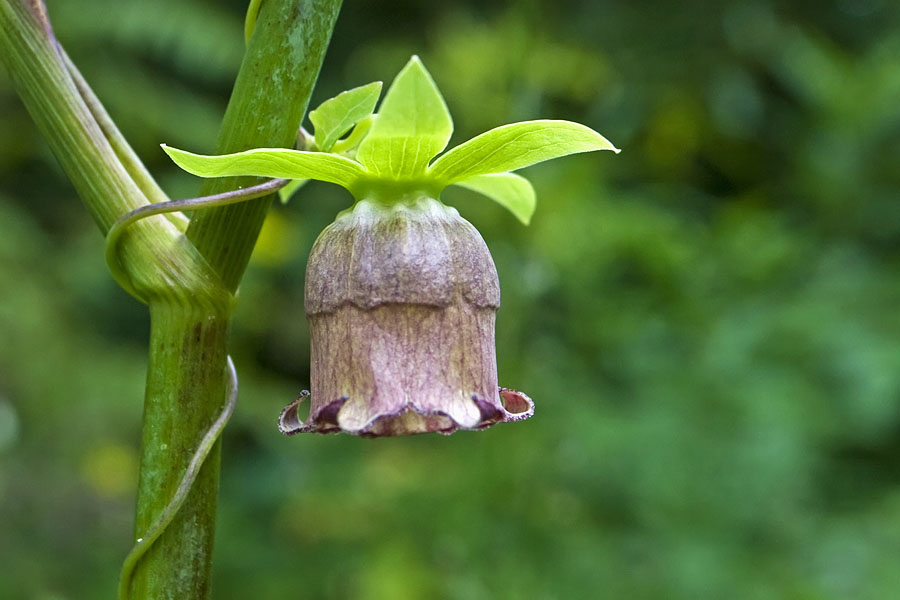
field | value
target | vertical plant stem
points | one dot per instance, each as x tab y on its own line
182	383
185	386
270	97
189	304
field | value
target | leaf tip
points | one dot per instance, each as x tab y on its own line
415	64
169	150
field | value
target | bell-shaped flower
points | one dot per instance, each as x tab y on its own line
401	292
401	300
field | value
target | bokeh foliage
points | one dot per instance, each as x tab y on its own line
708	322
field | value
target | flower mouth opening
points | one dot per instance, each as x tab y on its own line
518	405
408	420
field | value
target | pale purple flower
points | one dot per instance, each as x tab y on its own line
401	300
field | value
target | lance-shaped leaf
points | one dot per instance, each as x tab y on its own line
334	117
412	126
509	190
514	146
271	162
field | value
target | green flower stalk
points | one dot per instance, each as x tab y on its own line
401	292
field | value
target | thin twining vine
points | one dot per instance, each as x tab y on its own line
120	274
118	270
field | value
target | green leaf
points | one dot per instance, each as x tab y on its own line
517	145
333	118
285	193
412	126
396	157
512	192
356	136
271	162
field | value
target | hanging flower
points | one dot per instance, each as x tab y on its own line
401	292
401	300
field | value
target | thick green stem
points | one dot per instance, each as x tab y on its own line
268	102
189	302
270	97
41	76
185	391
189	319
30	52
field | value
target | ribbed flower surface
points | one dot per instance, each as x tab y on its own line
401	300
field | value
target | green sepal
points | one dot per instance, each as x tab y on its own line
392	149
336	116
271	162
356	136
412	126
514	146
512	192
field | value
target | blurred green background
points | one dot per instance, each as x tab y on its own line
709	323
